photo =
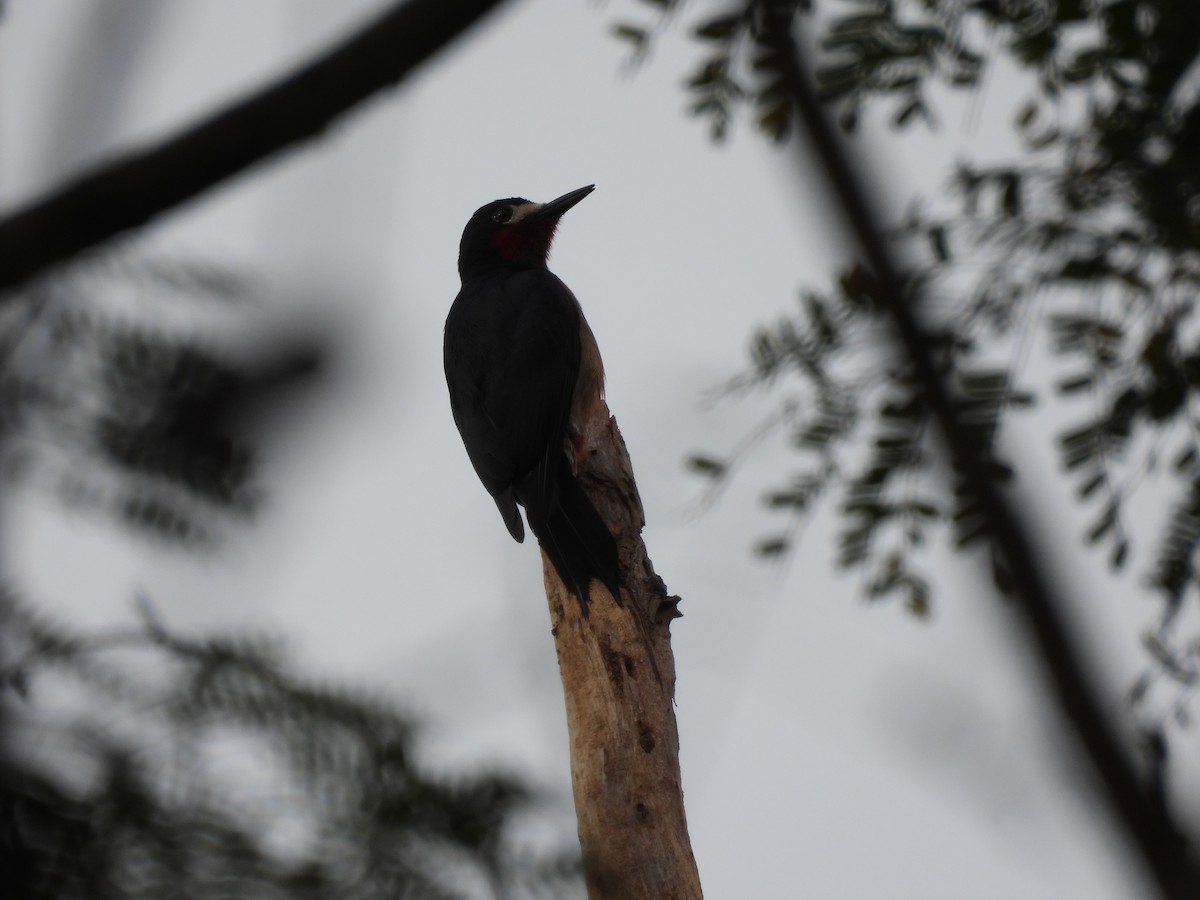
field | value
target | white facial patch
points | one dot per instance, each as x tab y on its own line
521	210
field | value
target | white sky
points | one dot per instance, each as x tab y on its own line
830	749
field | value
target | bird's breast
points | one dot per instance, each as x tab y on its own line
589	385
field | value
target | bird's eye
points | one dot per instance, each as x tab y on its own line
502	216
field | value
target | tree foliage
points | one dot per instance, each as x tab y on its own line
148	764
1082	248
167	766
122	396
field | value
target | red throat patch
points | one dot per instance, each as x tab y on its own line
526	242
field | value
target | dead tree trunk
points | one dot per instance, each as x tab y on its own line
618	677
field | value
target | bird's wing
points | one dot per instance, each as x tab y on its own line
512	359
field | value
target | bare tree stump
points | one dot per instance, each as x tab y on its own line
618	675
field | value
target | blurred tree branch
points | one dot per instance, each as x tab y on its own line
131	191
157	802
1147	824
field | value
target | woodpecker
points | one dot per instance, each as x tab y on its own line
523	369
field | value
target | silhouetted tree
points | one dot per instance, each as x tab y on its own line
1087	241
1100	207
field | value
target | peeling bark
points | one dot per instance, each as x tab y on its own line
618	675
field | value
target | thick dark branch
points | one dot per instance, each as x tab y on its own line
1146	823
130	191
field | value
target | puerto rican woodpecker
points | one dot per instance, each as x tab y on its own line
523	369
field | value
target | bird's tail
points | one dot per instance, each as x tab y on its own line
575	538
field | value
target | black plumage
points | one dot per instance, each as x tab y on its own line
518	354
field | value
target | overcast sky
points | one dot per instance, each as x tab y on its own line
829	748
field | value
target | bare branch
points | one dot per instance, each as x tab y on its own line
131	191
618	676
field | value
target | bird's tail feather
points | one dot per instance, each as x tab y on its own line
570	530
507	504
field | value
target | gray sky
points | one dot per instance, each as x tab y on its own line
829	749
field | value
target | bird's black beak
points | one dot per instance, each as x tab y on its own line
556	208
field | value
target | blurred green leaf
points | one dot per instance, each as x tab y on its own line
719	28
707	466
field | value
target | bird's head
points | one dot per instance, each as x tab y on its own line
512	234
